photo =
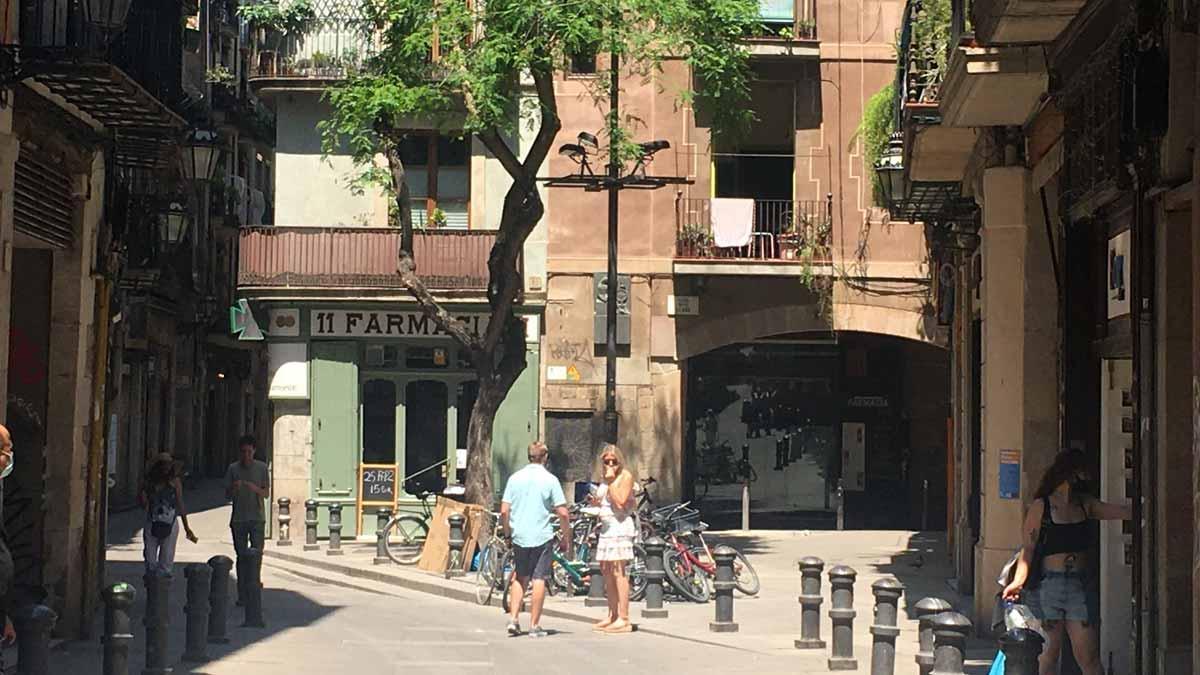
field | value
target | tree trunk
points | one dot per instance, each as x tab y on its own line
479	444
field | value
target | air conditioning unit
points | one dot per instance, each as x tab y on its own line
375	356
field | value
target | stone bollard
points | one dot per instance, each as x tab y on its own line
885	631
382	516
655	575
199	592
33	625
285	522
925	610
156	621
810	603
724	584
310	525
218	599
253	589
1021	647
456	540
595	596
950	631
335	530
118	629
841	612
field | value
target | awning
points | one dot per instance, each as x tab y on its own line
145	129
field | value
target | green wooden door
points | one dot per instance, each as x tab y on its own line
335	427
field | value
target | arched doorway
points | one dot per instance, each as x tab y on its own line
798	413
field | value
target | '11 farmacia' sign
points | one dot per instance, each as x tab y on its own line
370	323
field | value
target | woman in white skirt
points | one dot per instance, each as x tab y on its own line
614	549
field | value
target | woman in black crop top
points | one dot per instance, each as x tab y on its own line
1061	595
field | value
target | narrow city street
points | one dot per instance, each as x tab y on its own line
321	620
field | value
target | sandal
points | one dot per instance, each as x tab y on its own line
622	628
601	626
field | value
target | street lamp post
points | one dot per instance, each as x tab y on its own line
613	180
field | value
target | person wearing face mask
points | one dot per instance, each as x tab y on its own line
1051	574
6	562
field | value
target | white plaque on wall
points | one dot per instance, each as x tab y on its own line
288	363
683	305
1118	266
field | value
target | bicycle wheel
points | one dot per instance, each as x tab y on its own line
744	576
485	582
687	580
636	570
404	539
505	569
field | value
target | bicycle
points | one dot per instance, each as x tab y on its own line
691	568
495	558
404	534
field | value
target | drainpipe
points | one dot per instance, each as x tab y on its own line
93	539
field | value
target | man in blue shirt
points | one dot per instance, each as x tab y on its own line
531	497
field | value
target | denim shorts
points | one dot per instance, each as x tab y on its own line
1064	596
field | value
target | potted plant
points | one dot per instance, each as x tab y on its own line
694	241
273	22
437	219
219	75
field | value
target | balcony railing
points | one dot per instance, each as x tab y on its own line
325	49
781	230
361	257
787	20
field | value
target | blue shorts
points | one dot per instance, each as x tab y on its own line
1064	596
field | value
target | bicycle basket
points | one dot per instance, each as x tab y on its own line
682	521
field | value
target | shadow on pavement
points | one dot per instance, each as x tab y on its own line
284	610
125	527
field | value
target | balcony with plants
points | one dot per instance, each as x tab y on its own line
919	159
733	236
323	40
786	28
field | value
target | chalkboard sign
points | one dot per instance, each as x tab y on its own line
377	484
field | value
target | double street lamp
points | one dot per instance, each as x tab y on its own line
615	179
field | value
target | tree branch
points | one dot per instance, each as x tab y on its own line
407	269
543	82
496	145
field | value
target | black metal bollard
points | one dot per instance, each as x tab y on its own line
723	584
285	522
655	574
199	591
885	631
335	530
841	612
950	631
810	603
1021	647
926	609
382	516
118	629
156	621
456	540
33	625
310	525
253	589
218	599
595	596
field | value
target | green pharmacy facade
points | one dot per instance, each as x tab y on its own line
371	404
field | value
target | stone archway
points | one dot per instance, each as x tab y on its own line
699	336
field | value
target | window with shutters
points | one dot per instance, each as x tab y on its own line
43	203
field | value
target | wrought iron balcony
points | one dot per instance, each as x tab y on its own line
325	49
780	231
360	257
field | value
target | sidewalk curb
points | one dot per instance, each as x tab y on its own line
461	595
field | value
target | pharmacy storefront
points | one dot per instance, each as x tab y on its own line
371	406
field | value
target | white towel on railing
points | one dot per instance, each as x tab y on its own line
732	221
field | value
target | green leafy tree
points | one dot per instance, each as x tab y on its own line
469	68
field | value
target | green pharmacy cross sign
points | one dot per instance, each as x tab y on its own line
242	323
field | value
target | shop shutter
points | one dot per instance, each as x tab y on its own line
43	206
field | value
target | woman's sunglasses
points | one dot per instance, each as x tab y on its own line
611	462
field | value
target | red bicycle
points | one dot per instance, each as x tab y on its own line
688	560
